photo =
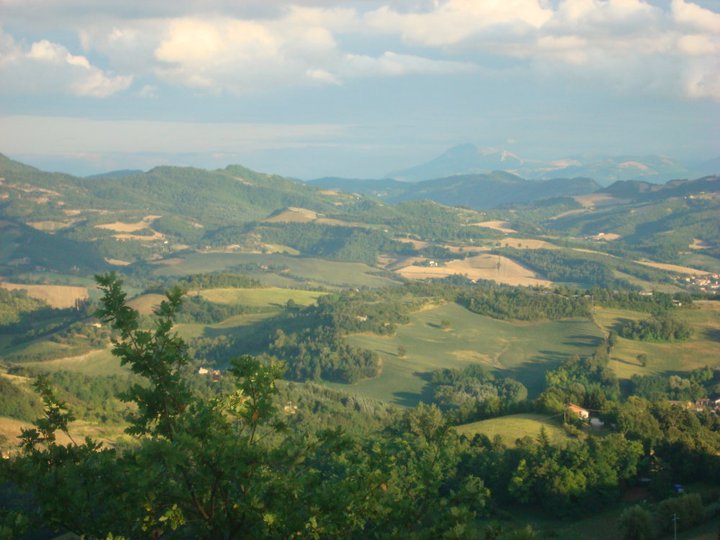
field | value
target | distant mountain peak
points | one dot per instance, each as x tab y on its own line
464	159
461	159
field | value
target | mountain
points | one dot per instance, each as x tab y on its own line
606	170
117	174
709	167
382	188
60	222
477	191
672	221
469	159
644	191
461	159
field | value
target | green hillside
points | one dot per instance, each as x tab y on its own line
524	351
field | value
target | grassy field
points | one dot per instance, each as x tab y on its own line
10	428
490	267
647	285
262	297
146	303
524	351
98	362
674	268
516	426
698	351
237	326
312	272
57	296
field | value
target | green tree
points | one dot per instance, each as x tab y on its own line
637	523
226	466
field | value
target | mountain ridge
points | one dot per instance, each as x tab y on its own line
470	159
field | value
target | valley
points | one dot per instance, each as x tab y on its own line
498	313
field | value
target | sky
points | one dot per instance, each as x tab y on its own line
355	88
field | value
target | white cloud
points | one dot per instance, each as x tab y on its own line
395	65
455	21
699	44
224	54
148	91
323	76
47	67
220	46
703	81
606	12
696	17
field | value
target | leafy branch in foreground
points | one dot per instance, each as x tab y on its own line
226	466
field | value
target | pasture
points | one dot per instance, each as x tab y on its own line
239	325
293	215
589	201
673	268
501	226
308	271
57	296
146	303
486	266
96	362
524	351
516	426
10	429
526	243
698	351
262	297
124	227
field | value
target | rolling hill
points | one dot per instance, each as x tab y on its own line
478	191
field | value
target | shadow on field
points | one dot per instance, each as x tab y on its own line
548	357
713	334
532	373
411	399
583	340
626	362
619	323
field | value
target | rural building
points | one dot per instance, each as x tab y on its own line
578	411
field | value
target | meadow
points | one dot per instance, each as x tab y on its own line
10	429
309	271
486	266
524	351
262	297
516	426
57	296
698	351
96	362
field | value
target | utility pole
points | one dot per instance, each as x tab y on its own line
675	520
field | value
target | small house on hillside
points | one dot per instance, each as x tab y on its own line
578	411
